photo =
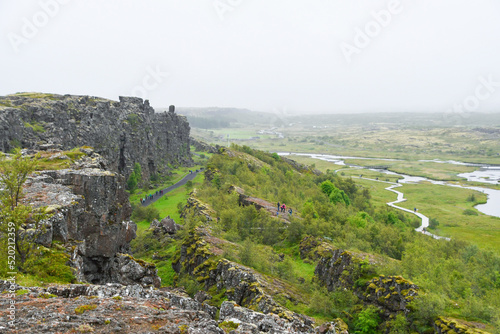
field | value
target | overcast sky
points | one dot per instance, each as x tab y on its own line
308	56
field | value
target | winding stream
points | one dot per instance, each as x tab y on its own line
486	174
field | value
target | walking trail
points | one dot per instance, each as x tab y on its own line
185	179
425	219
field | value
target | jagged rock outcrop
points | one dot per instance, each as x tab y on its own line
445	325
239	283
166	226
123	132
114	308
343	269
201	146
314	248
392	293
111	308
197	208
338	326
256	322
89	212
338	269
300	167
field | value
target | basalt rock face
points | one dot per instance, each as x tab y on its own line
341	269
89	211
112	308
124	132
445	325
238	283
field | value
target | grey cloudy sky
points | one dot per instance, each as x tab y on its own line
305	56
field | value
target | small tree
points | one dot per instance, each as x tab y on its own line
367	321
20	223
135	178
132	183
138	172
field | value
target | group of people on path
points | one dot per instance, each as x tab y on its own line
150	197
282	208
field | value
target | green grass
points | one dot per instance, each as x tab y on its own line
46	163
447	204
408	143
431	170
167	205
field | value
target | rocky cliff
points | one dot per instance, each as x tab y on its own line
337	268
115	308
90	213
199	257
123	132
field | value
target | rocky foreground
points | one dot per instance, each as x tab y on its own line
114	308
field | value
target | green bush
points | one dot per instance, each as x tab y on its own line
367	321
145	213
470	212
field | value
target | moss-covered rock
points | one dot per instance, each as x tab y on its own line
444	325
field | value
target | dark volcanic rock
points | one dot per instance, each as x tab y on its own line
123	132
112	308
342	269
241	284
166	226
201	146
90	210
314	248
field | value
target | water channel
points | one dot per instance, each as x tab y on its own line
486	174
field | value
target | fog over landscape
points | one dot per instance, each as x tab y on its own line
295	56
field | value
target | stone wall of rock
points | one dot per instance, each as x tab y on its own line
123	132
445	325
90	212
392	293
239	283
342	269
114	308
201	146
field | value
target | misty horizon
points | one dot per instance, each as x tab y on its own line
296	57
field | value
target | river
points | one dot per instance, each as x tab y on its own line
486	174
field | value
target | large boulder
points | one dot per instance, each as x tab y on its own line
166	226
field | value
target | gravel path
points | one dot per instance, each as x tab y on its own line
182	182
425	219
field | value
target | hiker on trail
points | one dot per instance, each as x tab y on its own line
414	209
279	206
290	211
